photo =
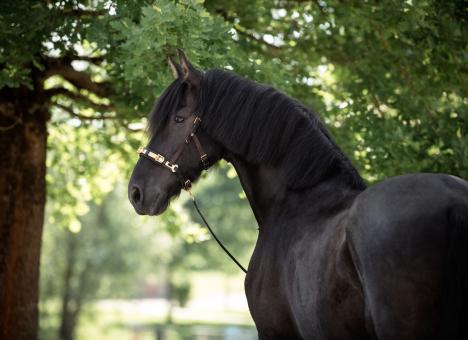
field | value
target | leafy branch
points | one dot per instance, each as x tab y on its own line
77	97
80	79
84	13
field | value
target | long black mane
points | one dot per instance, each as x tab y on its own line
264	126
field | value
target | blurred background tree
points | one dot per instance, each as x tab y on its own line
79	267
387	77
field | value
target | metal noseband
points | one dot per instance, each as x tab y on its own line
156	157
173	166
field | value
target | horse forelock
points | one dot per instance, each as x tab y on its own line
165	106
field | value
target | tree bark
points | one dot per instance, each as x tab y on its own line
23	136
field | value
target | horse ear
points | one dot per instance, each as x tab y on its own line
175	68
191	75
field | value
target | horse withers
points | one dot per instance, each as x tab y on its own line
334	259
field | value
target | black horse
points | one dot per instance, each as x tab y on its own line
334	259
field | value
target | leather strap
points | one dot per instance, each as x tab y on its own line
203	155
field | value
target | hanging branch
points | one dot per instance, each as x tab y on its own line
80	79
242	31
77	98
84	12
70	111
95	60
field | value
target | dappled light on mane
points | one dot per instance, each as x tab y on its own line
265	126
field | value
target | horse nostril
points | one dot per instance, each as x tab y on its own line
135	195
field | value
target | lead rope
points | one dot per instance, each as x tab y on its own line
212	232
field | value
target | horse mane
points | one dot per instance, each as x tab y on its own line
264	126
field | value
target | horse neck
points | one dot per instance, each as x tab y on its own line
262	186
270	198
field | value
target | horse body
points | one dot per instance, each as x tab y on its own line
374	269
290	278
334	259
409	240
297	283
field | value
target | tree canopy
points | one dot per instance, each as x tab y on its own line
387	78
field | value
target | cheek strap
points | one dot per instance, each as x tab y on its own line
201	152
193	136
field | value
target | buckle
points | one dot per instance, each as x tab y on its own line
188	188
189	138
196	122
204	160
156	156
172	167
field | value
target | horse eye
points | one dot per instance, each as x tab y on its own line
179	119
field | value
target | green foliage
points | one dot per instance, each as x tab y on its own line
401	74
110	255
389	78
94	257
130	43
20	40
162	26
104	258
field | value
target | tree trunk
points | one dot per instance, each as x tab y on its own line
23	138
